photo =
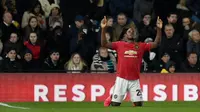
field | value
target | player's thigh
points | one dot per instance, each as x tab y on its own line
120	89
135	91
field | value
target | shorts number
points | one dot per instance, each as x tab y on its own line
139	93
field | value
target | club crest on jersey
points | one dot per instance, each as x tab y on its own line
137	47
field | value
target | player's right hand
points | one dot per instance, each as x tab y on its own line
104	22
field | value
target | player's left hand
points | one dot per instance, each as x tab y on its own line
159	23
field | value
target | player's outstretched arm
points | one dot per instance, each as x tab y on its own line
159	25
104	42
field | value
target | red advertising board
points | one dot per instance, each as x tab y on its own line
93	87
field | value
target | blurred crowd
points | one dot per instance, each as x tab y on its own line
64	36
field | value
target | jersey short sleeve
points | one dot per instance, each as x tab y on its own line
116	45
146	46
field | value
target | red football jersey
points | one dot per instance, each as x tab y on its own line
129	58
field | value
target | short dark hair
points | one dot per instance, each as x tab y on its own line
172	13
122	14
189	53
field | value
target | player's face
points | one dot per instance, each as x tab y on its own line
76	59
55	56
130	34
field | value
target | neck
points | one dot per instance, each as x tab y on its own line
169	36
6	23
54	62
33	43
196	41
76	64
129	41
192	65
12	59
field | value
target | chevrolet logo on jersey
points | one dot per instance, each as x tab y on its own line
130	53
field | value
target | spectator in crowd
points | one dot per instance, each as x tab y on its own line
163	63
10	62
81	40
36	11
97	9
182	9
170	69
56	40
110	31
46	7
110	21
109	36
172	18
164	7
53	62
191	65
193	5
22	6
55	17
103	62
28	64
122	22
10	5
71	8
188	26
146	28
76	64
142	7
7	27
172	44
32	27
118	6
35	47
74	31
13	42
193	44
